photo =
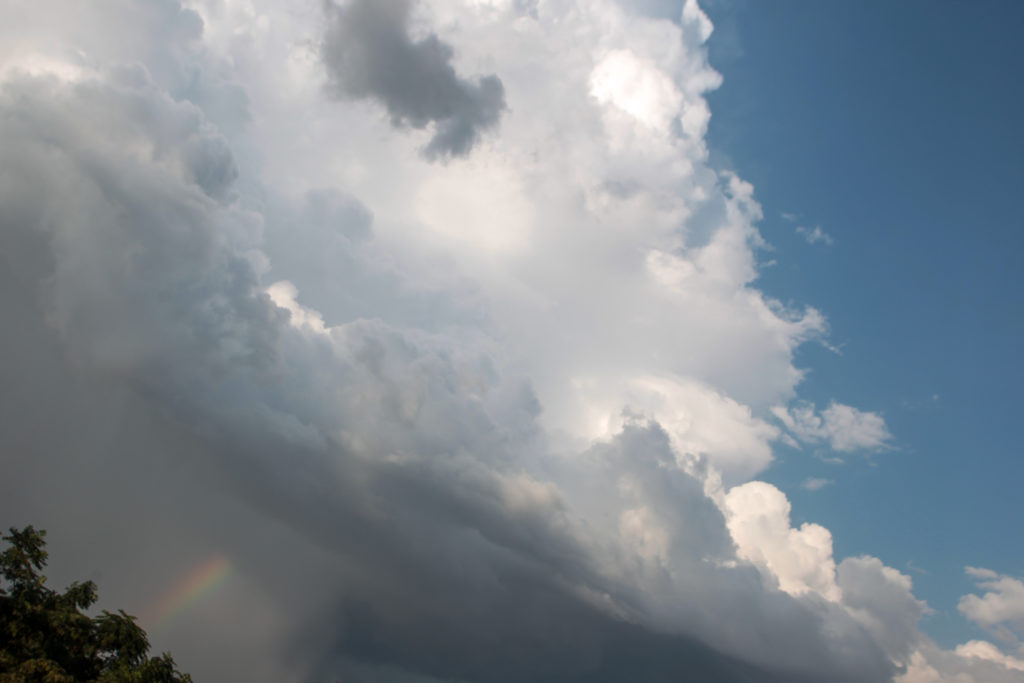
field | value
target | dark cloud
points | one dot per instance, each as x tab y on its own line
400	515
369	54
496	596
534	633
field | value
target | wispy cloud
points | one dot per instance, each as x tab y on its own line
844	428
815	235
816	483
916	569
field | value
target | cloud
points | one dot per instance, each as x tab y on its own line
881	598
369	54
968	664
999	611
980	649
367	440
815	235
432	443
1001	608
636	87
844	428
816	483
800	559
849	429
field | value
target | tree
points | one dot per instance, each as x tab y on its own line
45	637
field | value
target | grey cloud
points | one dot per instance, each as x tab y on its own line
382	491
163	44
322	243
384	471
534	633
869	586
516	606
369	54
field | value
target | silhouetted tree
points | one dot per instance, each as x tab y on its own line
45	637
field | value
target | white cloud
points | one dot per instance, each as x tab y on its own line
844	428
1001	608
816	483
700	422
977	661
850	429
981	649
284	295
800	559
972	662
638	88
814	235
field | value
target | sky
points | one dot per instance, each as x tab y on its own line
913	106
502	340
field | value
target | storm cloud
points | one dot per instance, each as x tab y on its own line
427	451
458	561
369	53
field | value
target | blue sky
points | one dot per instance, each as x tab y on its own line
896	128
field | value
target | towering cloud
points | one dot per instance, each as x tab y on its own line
489	420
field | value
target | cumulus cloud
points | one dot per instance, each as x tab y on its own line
492	420
979	649
800	559
881	598
998	611
1000	608
930	664
361	431
369	53
844	428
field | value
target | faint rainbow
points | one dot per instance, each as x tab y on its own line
203	580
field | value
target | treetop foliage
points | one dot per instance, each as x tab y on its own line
45	637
